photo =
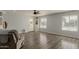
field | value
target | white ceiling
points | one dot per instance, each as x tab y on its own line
42	12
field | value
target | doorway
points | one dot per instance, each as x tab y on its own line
36	24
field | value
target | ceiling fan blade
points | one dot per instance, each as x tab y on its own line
38	12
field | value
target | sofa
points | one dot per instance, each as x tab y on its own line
11	39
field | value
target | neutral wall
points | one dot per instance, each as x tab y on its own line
16	21
54	24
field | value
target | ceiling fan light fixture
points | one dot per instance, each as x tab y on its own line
36	12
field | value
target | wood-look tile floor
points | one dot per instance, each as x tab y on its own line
38	40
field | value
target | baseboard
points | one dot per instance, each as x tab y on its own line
60	35
29	31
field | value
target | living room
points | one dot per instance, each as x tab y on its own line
45	29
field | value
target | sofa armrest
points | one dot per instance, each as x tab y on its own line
14	38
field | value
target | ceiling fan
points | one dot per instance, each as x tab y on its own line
36	12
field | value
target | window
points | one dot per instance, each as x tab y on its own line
43	23
70	23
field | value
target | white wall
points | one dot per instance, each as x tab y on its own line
16	21
54	24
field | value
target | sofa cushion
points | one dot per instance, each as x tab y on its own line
3	36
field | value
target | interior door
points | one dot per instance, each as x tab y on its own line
36	24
